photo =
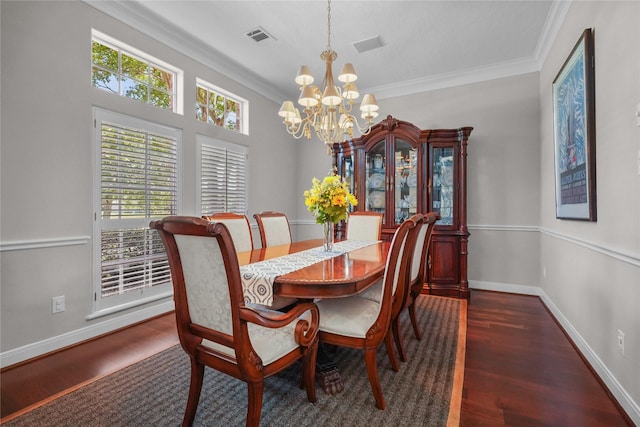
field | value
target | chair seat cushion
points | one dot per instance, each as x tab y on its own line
270	344
351	316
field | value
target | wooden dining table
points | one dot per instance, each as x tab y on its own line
341	276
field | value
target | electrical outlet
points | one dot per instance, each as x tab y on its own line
57	304
621	342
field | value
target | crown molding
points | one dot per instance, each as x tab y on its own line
457	78
555	18
132	14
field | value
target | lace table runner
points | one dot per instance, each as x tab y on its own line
258	277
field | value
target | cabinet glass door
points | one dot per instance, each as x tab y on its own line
346	169
375	173
405	181
442	195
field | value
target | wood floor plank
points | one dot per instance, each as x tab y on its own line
520	368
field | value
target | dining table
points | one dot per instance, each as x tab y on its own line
349	269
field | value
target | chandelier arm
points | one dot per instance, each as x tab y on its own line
367	127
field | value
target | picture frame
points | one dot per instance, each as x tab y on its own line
574	133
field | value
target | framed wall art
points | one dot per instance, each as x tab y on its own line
574	133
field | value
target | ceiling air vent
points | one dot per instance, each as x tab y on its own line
259	35
368	44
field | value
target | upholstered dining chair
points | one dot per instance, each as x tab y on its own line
274	228
238	226
363	323
364	225
418	280
215	327
411	289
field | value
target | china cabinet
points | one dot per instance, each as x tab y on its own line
399	170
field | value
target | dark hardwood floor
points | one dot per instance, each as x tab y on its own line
520	368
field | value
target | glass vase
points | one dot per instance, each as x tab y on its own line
327	236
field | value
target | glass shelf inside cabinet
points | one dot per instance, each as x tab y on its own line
376	178
443	179
406	181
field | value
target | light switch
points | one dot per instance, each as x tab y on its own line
638	115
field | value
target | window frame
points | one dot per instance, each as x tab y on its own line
178	74
216	144
243	105
106	305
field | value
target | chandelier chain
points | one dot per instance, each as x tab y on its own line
329	25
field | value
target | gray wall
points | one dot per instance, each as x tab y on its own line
46	172
587	273
503	168
593	269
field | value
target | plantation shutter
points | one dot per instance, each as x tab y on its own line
223	177
138	182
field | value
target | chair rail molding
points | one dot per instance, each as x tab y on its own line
18	245
621	255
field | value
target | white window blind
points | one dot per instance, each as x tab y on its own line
223	176
137	182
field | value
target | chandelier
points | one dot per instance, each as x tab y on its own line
328	112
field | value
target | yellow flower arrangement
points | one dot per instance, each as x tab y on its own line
328	200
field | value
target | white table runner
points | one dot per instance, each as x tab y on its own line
258	277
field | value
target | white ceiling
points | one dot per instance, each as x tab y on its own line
425	44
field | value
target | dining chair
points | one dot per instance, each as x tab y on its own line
217	329
238	226
240	230
363	323
274	228
364	225
411	289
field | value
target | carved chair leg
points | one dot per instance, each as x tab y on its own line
391	352
255	403
414	321
195	386
372	372
309	371
395	327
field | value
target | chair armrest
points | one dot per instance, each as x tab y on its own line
306	332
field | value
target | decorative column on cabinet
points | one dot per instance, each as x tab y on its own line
398	170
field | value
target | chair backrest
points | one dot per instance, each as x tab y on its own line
274	228
364	225
238	226
418	265
398	265
207	287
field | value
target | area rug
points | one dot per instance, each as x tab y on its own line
425	392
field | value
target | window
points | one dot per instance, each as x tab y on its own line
127	72
220	108
136	181
223	176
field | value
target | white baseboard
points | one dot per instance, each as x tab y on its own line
630	406
48	345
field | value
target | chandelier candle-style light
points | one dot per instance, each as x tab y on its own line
328	112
